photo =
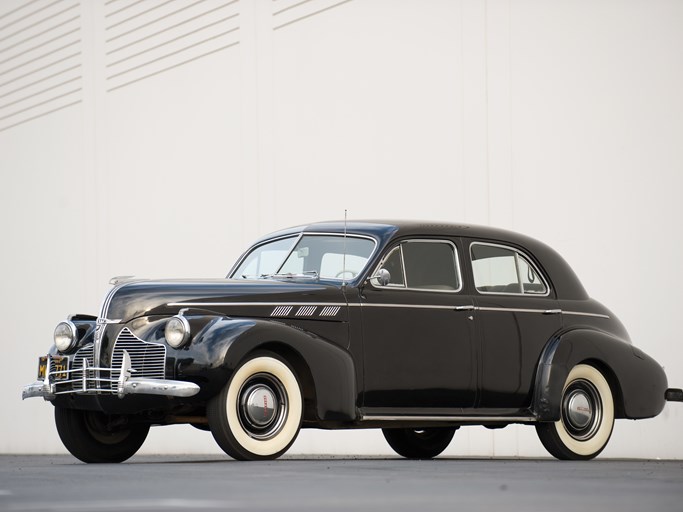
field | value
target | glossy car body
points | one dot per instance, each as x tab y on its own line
470	325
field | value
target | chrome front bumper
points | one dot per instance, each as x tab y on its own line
90	382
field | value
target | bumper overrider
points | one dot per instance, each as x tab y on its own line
137	367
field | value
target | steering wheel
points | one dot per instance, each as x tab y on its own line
342	272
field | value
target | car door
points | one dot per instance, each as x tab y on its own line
418	332
517	314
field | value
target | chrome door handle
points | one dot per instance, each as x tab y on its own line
552	312
467	307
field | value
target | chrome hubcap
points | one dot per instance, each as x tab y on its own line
581	410
262	406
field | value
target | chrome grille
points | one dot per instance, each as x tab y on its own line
147	360
83	353
77	366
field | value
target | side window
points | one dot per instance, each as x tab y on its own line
531	281
430	266
424	265
499	269
394	264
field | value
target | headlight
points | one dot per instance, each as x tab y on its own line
66	336
177	331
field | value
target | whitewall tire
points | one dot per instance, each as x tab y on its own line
257	415
587	416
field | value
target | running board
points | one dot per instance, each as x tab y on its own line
452	419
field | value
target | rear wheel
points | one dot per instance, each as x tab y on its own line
423	443
258	413
587	417
95	437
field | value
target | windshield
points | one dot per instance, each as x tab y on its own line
314	256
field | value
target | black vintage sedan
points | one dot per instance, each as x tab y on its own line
414	328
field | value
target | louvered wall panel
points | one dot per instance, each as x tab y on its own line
289	12
144	39
40	59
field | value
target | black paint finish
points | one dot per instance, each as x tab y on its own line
462	355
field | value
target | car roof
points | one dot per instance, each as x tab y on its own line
563	279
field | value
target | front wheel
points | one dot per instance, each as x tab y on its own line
423	443
586	417
95	437
258	413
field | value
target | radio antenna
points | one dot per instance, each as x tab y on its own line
344	254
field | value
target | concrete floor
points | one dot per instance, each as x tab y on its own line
145	483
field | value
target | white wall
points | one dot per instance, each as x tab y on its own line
171	135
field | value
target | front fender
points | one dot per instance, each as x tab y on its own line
217	351
638	382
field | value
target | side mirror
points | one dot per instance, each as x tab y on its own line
382	277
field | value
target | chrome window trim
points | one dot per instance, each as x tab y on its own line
403	267
298	239
405	287
291	250
517	253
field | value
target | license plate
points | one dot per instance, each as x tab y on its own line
60	365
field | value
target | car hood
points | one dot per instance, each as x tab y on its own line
256	298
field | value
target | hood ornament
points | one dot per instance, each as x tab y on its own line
120	279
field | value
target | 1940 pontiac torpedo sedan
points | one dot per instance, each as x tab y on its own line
413	328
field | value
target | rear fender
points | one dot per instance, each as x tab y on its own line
637	381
